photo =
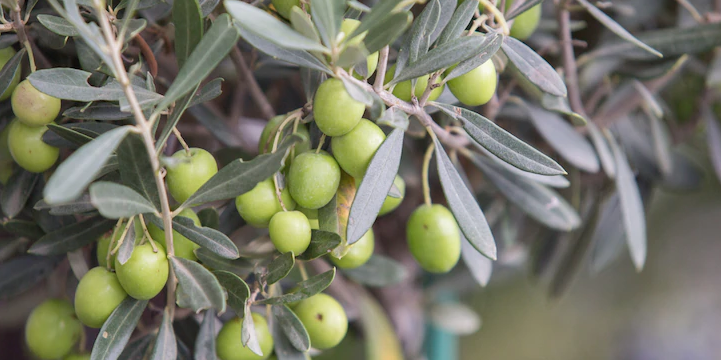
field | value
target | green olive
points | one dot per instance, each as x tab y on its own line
402	90
33	107
144	275
265	144
290	232
354	150
98	294
434	238
6	159
5	55
359	252
475	87
284	7
336	112
258	206
524	24
347	27
28	149
229	346
313	179
52	329
312	215
324	319
182	246
85	356
392	203
191	172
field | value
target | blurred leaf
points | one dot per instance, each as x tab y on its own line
17	191
72	84
279	268
357	92
533	67
78	170
634	220
713	77
298	57
23	228
205	342
502	143
136	171
557	181
713	138
343	201
213	47
444	56
211	239
521	9
301	22
327	16
10	70
380	336
126	248
305	289
560	105
379	271
661	143
136	350
686	174
116	331
165	346
64	137
198	289
374	187
115	201
284	349
602	149
608	237
90	33
539	202
381	11
239	177
478	265
58	25
321	243
207	6
239	266
177	112
617	29
23	272
264	25
97	111
395	118
387	31
209	218
215	124
463	205
493	43
455	318
328	218
238	291
209	91
459	22
563	138
188	21
71	237
291	326
649	101
248	335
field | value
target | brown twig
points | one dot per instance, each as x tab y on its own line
148	54
255	91
569	59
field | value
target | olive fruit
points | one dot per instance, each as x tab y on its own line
191	172
144	275
52	330
98	294
312	215
313	179
182	246
33	107
85	356
434	238
290	232
475	87
5	55
6	159
229	346
359	252
324	319
265	144
526	23
391	203
336	112
258	205
347	27
284	7
28	149
354	150
402	90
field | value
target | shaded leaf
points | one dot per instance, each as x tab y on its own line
208	92
713	137
533	67
135	350
23	228
248	335
279	268
379	271
608	237
166	347
17	191
23	272
557	181
239	266
188	21
71	237
238	291
284	349
493	41
321	243
521	9
215	124
327	16
210	218
298	57
602	149
305	289
116	331
115	201
205	342
380	12
10	70
98	111
58	25
136	171
211	239
478	265
387	31
459	22
291	326
198	289
419	37
126	248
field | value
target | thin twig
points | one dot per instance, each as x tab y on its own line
148	53
381	70
424	172
691	9
569	59
255	91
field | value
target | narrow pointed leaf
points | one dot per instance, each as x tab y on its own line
198	289
24	272
521	9
602	149
386	32
533	67
292	327
166	347
210	218
248	335
557	181
116	331
10	70
301	58
463	205
210	239
713	137
238	291
279	268
459	22
327	16
115	201
126	248
188	21
478	265
17	191
381	11
284	349
97	111
137	349
136	171
502	143
210	259
58	25
23	228
420	34
307	288
321	243
374	188
608	237
78	170
72	84
448	8
71	237
205	342
379	271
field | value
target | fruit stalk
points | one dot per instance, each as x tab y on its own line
143	127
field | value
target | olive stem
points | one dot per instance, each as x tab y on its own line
121	239
182	141
278	192
255	91
303	271
276	137
429	88
19	27
569	59
381	70
497	14
146	233
146	131
320	144
110	244
424	175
